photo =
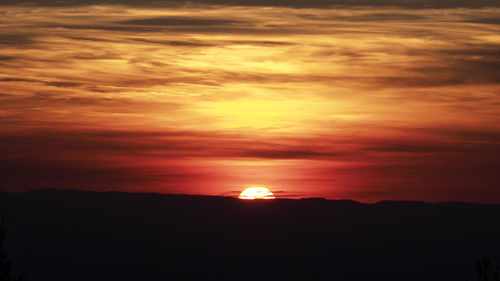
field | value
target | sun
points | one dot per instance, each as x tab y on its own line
256	192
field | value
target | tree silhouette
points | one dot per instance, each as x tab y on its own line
5	265
484	270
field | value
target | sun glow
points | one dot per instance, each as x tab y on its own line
256	193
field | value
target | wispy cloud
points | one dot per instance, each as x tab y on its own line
365	102
274	3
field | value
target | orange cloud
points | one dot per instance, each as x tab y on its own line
374	103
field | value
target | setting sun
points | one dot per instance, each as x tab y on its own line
256	193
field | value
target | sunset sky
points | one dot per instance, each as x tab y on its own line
309	98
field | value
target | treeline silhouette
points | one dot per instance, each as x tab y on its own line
81	236
5	264
485	270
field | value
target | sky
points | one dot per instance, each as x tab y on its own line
363	100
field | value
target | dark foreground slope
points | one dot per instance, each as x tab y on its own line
75	235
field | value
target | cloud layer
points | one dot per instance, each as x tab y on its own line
369	103
272	3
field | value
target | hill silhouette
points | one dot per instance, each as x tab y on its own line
81	235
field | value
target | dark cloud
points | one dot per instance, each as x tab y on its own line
464	64
63	84
492	20
6	58
159	24
216	144
292	153
18	79
430	147
58	173
95	55
482	136
26	105
105	26
384	17
180	21
190	28
458	72
174	42
17	40
440	177
92	39
483	51
26	174
259	43
424	80
366	17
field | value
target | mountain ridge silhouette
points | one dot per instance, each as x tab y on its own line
84	235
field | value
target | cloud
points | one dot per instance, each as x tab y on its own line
64	84
156	24
288	153
366	17
276	3
108	27
378	101
468	135
462	64
7	58
190	28
44	173
174	42
395	167
18	79
493	20
18	40
180	21
175	143
92	39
